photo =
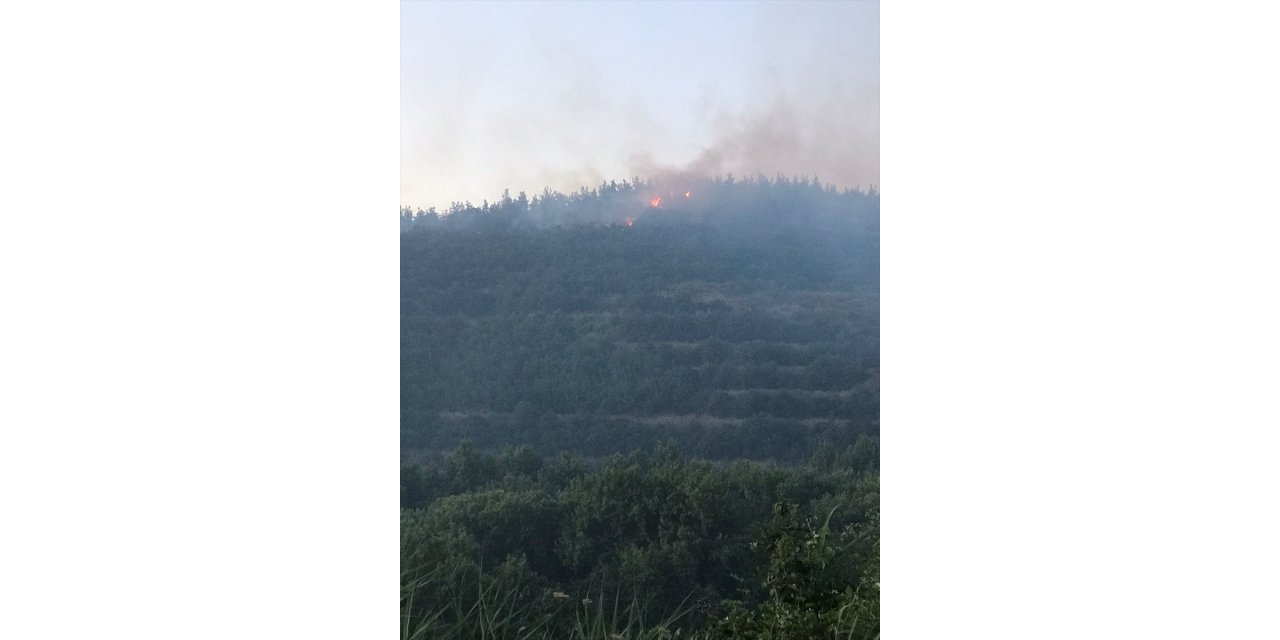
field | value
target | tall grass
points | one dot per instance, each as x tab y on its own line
446	604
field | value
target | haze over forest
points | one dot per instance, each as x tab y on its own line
525	96
639	321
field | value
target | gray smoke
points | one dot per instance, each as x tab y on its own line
823	138
549	107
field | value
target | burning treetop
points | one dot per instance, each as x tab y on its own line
755	201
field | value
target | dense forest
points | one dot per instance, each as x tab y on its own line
642	409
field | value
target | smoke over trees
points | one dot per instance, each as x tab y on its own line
598	92
661	391
667	197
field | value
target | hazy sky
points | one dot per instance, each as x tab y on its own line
526	95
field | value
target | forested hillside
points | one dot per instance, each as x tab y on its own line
640	410
739	320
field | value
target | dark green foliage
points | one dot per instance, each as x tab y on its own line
617	430
813	592
745	549
743	322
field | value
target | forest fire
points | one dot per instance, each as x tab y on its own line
688	193
656	202
630	221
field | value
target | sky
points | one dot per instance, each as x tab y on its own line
528	95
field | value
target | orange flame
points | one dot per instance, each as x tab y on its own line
688	193
656	202
631	221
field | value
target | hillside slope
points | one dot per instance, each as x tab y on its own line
737	319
